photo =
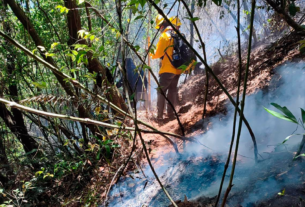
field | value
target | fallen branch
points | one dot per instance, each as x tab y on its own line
72	118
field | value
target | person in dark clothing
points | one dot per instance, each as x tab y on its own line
135	79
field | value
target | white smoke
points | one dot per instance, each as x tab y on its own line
286	89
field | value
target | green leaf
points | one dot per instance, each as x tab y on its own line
217	2
72	56
292	9
92	37
278	115
34	51
282	193
182	67
285	111
301	155
49	54
137	47
132	96
146	66
98	155
54	45
286	139
303	116
107	147
74	52
142	3
38	173
139	17
28	153
81	1
193	19
40	84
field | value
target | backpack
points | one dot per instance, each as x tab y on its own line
182	54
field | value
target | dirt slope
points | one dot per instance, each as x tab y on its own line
264	58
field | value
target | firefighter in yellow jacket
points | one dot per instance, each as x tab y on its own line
168	74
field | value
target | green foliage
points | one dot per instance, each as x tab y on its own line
288	116
282	193
293	9
193	19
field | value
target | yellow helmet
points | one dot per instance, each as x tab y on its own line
175	21
159	21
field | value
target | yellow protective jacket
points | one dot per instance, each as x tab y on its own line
164	42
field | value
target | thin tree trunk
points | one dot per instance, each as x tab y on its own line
15	120
74	25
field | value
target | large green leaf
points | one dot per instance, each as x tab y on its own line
303	116
285	111
278	115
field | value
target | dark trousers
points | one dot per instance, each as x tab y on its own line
168	83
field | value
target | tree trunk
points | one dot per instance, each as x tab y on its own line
19	131
15	121
74	25
286	17
83	112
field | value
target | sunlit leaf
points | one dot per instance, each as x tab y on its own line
40	84
53	45
72	56
300	155
41	48
282	193
49	54
81	1
74	52
81	34
278	115
285	111
92	37
287	138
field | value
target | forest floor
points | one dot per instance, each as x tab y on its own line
265	57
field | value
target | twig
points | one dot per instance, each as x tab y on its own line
230	185
111	184
237	101
72	118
